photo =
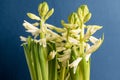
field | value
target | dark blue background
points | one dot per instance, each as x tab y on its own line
105	62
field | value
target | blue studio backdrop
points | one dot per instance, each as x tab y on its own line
105	63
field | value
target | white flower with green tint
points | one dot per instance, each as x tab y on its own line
74	64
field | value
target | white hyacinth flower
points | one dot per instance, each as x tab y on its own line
65	56
93	39
54	28
75	32
54	36
52	55
88	55
94	47
72	40
59	49
74	64
43	42
93	28
32	29
23	38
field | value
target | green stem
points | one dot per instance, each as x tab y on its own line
43	56
38	69
53	69
62	73
85	64
29	62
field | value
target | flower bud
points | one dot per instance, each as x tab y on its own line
43	9
33	16
49	14
51	55
87	17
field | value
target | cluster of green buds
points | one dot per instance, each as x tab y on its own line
54	53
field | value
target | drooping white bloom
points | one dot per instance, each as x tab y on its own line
73	41
65	56
74	64
94	47
29	26
54	28
75	32
43	42
23	38
68	51
59	49
32	29
93	39
54	36
88	55
52	55
92	29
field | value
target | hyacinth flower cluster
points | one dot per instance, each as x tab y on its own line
54	53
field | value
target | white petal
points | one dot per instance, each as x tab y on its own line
68	51
72	40
87	57
65	56
29	26
93	28
77	31
94	47
59	49
23	38
87	46
52	55
93	39
43	42
74	64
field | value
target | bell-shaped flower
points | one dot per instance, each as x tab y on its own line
93	39
65	56
91	29
74	64
51	55
24	39
73	40
55	28
53	36
75	32
88	55
59	49
43	42
94	47
32	29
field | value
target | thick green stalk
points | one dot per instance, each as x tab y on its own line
29	62
76	75
85	65
62	72
53	69
43	63
43	56
36	54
